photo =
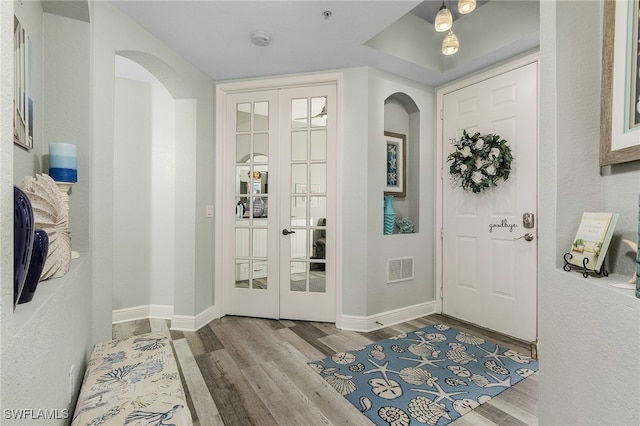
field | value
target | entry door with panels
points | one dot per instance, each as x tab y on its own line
489	252
281	203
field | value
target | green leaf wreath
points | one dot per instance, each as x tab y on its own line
479	161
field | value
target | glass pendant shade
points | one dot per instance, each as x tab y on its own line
444	20
466	6
450	44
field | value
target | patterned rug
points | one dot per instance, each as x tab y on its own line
428	376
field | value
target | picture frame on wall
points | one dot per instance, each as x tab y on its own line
620	85
396	171
22	87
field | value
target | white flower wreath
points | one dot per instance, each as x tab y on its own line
479	161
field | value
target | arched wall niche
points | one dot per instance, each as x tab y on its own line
402	115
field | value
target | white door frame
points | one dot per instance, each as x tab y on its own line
224	89
440	94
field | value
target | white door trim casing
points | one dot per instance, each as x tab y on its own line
440	95
222	92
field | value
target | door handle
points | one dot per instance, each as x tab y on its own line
287	232
528	237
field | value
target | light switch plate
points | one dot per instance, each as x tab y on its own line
209	211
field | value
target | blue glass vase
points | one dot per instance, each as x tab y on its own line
23	232
389	215
38	258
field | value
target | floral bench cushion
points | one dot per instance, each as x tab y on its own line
133	381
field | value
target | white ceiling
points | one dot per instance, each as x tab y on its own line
215	36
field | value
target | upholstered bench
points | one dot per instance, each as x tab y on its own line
132	381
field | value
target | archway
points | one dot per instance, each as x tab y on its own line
154	118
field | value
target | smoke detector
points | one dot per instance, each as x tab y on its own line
260	38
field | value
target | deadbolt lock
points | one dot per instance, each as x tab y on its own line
528	220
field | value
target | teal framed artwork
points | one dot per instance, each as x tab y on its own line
395	144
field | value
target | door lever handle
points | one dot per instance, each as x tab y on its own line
287	232
528	237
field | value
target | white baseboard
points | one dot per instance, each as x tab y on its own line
190	323
142	312
178	322
347	322
385	319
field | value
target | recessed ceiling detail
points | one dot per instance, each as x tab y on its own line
212	35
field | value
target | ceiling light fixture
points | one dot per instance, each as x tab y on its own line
466	6
450	43
444	19
444	22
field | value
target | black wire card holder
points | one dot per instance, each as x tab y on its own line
585	271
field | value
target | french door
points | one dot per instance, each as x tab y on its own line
278	253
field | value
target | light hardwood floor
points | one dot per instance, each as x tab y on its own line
252	371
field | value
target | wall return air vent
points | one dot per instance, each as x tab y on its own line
400	269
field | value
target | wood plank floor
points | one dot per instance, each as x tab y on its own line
252	371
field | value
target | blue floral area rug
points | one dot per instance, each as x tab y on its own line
428	376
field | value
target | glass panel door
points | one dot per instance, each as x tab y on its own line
278	257
308	118
251	131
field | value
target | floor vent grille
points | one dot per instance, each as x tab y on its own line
400	269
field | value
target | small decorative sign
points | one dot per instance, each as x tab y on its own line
504	223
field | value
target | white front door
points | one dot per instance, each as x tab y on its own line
279	188
489	273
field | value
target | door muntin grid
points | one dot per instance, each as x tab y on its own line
252	195
308	194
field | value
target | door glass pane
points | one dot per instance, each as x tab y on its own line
299	178
242	211
259	246
317	209
299	145
259	207
319	112
318	145
298	207
299	113
318	178
299	244
317	278
242	179
318	243
261	147
243	148
242	242
261	179
298	280
261	116
259	274
243	117
242	273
